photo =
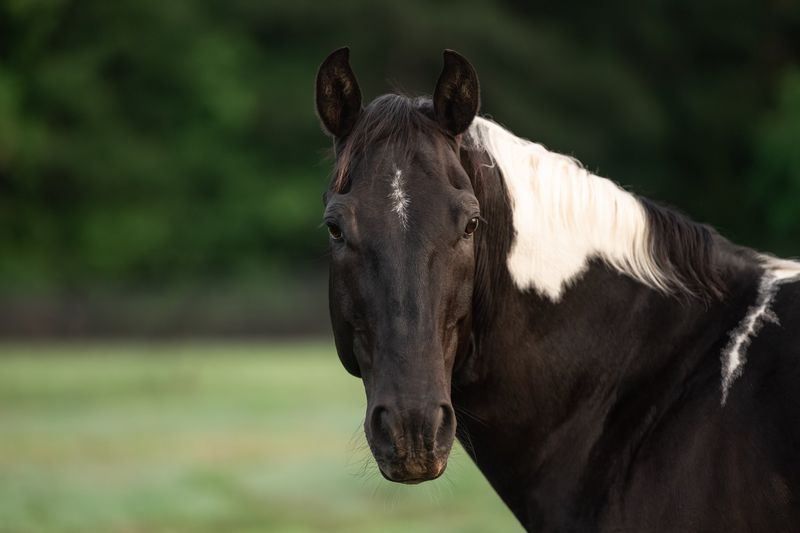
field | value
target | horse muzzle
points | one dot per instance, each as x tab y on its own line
411	445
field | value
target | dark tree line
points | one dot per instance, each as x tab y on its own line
162	143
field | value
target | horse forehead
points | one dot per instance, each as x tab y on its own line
398	209
402	189
423	157
393	181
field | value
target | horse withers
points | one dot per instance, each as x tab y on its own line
608	364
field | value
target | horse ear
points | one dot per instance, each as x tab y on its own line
338	96
457	96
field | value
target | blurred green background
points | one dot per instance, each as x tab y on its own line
207	438
161	172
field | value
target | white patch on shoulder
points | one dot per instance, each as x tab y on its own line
564	215
784	270
777	271
735	353
399	198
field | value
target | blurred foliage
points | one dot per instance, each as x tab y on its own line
149	142
776	178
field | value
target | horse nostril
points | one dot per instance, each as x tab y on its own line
380	426
445	431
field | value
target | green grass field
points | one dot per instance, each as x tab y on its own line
189	437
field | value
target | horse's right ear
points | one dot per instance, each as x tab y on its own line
338	96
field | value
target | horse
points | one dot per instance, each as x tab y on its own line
606	362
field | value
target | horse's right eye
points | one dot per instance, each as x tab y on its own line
472	225
335	231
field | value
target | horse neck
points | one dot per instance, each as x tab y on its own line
546	368
557	395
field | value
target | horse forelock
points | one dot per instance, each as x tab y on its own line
393	119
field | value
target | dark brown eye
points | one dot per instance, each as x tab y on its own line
335	231
472	225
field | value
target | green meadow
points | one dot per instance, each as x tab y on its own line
217	437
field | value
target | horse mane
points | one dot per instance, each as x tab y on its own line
564	216
686	250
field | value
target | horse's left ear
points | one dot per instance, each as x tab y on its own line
457	96
338	95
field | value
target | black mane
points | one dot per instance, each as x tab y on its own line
687	251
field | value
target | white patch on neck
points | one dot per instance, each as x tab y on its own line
734	354
564	216
399	198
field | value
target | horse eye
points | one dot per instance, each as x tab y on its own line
335	231
472	225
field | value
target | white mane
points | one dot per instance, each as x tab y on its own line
564	216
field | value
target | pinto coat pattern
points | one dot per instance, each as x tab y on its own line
608	364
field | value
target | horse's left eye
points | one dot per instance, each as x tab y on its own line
334	231
472	225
